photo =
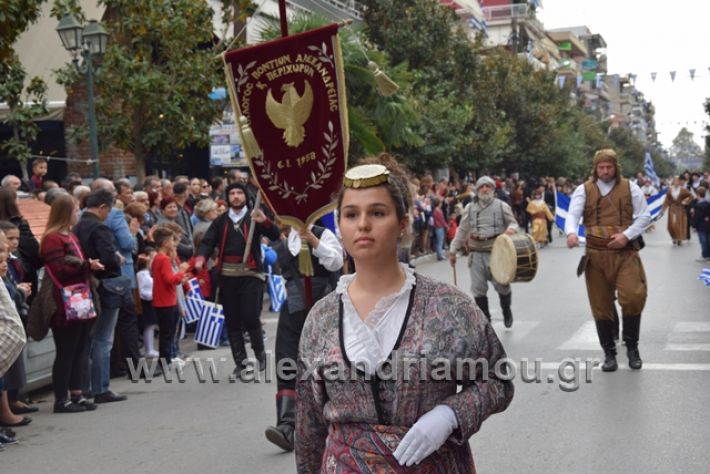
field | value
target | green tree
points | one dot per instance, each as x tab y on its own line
684	146
15	17
155	77
25	99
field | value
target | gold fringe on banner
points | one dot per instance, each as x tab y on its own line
385	85
251	147
305	264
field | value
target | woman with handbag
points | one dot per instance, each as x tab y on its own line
74	315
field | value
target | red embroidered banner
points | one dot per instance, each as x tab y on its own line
292	93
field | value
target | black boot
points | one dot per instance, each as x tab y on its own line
505	301
257	345
282	434
632	327
605	331
482	303
239	352
616	324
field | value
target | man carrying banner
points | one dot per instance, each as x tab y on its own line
614	213
327	258
241	277
484	219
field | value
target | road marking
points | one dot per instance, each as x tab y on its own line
518	332
689	336
657	367
584	339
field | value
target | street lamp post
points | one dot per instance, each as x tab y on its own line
89	41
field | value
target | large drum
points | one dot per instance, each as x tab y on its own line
513	258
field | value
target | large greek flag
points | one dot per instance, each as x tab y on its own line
209	329
650	170
561	207
194	302
705	276
655	203
277	290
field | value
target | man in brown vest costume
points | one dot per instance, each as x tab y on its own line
614	213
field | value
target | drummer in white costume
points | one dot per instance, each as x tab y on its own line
484	219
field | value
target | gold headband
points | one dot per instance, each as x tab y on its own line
366	176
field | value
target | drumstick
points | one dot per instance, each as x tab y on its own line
453	267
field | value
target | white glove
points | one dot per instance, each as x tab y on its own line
427	435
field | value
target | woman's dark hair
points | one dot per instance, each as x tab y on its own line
397	185
8	206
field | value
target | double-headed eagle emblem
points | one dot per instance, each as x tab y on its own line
291	113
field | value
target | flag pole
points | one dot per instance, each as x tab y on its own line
283	18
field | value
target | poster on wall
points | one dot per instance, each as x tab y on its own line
225	148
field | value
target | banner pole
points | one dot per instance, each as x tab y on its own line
283	18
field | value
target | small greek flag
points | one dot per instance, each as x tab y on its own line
650	170
705	276
194	302
209	329
277	290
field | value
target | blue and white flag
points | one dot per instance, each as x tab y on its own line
561	207
655	204
705	276
194	302
650	170
209	329
277	290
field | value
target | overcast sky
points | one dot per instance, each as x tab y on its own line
651	36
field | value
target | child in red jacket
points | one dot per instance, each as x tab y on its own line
165	291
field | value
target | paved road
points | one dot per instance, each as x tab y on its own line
651	421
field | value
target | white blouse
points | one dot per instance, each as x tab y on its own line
369	342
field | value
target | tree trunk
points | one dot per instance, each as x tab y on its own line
139	150
22	161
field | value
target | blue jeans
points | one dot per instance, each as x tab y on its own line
439	242
101	350
704	238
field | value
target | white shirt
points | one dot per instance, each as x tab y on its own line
145	284
236	217
641	214
329	251
369	342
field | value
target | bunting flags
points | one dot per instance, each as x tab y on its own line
692	74
653	76
672	76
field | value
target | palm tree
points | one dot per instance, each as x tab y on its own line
376	123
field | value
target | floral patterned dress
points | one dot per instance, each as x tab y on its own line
348	421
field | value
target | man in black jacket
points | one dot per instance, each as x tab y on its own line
241	277
97	242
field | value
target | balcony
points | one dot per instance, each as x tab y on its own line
505	14
337	9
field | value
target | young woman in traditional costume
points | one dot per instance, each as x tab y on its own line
396	371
